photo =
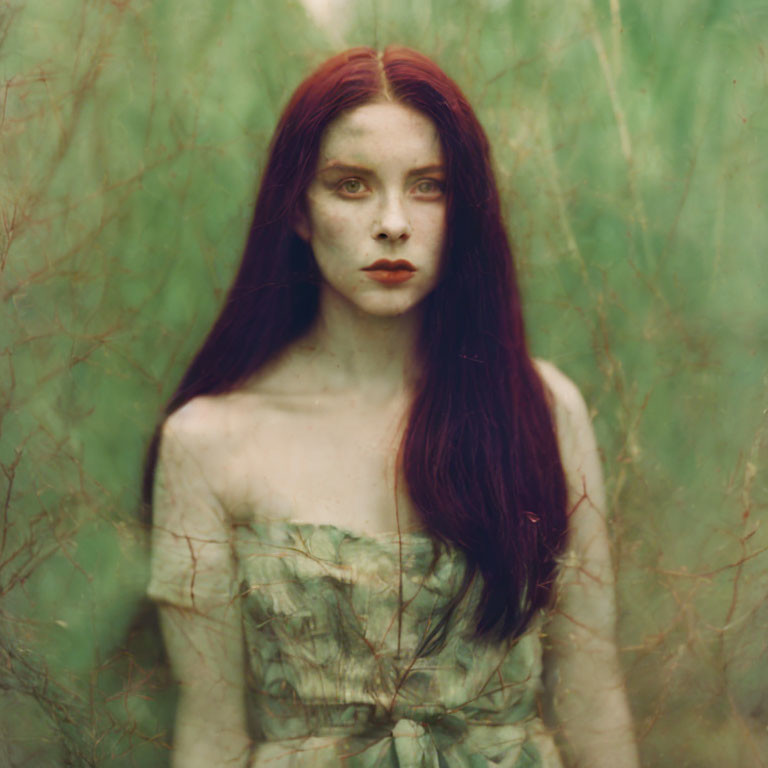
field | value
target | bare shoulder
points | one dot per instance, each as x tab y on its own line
227	440
569	409
194	438
196	425
559	384
578	452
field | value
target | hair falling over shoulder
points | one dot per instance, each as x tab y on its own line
480	452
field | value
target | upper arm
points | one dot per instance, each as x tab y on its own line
191	535
585	603
193	582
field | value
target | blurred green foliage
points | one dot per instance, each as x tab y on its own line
630	143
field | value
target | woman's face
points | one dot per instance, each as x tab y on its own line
375	213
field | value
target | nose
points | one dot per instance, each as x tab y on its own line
393	222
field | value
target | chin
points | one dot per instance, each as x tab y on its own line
379	302
389	308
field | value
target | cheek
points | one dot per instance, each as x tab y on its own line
331	227
431	224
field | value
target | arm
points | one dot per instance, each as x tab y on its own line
584	690
192	581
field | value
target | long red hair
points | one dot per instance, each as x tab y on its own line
480	453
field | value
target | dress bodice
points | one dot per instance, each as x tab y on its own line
342	635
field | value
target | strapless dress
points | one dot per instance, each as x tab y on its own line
356	659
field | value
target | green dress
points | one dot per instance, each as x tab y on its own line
334	624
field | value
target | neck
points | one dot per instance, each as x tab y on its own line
354	349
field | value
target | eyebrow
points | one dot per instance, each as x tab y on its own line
346	168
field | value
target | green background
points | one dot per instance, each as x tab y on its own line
630	141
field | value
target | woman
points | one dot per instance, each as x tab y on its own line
365	488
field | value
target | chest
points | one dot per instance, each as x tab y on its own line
333	466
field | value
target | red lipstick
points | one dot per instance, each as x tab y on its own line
386	271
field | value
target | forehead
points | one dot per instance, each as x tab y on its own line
380	132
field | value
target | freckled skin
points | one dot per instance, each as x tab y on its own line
378	194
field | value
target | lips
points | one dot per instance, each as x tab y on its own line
387	265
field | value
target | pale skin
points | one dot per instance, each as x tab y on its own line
313	437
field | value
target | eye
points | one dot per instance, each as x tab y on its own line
429	187
352	187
